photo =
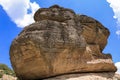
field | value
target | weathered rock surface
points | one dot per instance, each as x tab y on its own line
60	42
88	76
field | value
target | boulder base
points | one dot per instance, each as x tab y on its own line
88	76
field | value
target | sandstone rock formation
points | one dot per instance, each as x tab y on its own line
60	42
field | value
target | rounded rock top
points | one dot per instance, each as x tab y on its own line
55	13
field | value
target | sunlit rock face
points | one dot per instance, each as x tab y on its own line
60	42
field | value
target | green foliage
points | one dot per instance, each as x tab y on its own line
6	70
1	75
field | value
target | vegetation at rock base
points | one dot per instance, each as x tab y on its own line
4	69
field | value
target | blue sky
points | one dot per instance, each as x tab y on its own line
16	14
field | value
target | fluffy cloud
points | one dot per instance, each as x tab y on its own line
118	67
115	5
20	11
118	32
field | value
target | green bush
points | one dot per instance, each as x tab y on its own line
1	75
6	70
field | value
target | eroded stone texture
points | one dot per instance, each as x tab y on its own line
60	42
88	76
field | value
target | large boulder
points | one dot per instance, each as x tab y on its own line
60	42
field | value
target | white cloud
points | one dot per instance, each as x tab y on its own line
118	32
117	64
115	5
17	10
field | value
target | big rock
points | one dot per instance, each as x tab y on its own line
60	42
